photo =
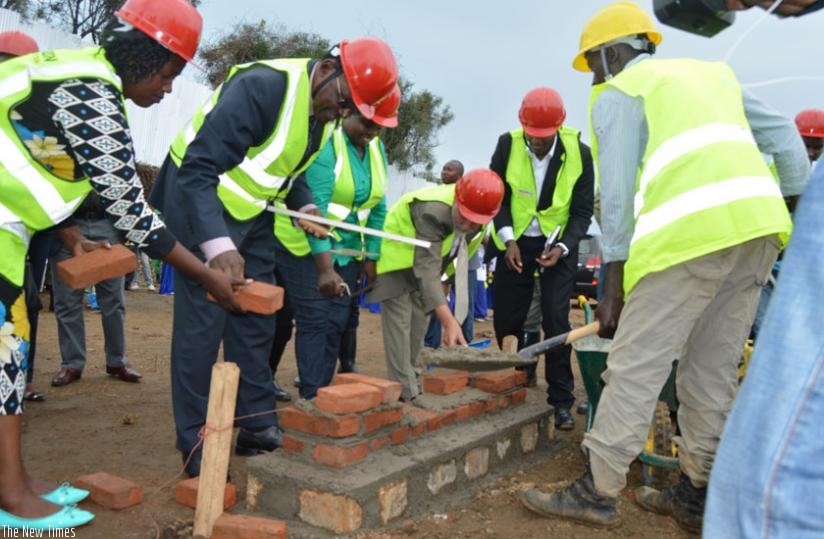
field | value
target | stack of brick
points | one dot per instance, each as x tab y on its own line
361	414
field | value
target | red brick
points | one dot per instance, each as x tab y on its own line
520	377
391	390
434	423
399	435
330	427
517	397
448	417
228	526
418	416
348	398
293	446
445	381
417	430
503	402
110	491
378	420
462	413
377	443
258	297
497	381
491	405
95	266
186	493
476	409
337	456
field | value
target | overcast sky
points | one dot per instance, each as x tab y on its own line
482	57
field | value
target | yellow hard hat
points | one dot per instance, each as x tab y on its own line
619	19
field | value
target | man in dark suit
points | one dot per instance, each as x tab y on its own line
546	210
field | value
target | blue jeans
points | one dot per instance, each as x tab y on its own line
768	476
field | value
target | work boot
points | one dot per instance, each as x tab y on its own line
681	501
579	502
281	395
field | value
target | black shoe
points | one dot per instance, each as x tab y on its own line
296	382
531	375
582	408
193	465
681	501
250	443
281	394
579	502
564	419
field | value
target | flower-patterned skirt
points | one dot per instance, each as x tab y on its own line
14	347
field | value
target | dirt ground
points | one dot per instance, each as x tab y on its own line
103	424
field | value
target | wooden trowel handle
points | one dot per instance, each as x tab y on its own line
317	230
583	331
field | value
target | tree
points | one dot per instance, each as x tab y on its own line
422	114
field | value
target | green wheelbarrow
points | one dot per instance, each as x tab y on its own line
659	455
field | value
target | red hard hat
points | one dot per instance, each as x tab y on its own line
175	24
542	112
17	44
810	123
479	194
386	112
371	71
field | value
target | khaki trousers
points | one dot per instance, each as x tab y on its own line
700	313
404	324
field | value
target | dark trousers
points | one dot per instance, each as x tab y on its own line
319	321
284	323
512	296
199	327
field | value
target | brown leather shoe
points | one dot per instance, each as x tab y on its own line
125	373
65	376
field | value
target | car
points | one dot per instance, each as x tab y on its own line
589	267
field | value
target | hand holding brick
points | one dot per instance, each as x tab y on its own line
95	266
258	297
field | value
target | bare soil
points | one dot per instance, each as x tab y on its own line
103	424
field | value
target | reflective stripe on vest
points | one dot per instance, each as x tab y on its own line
471	249
524	196
703	185
342	203
396	255
31	194
246	189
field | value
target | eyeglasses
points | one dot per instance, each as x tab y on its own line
344	102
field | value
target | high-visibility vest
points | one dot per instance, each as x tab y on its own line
471	249
396	255
342	203
249	187
32	198
523	202
703	185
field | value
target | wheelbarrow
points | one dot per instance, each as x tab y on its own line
659	454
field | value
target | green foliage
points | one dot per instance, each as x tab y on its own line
248	42
421	115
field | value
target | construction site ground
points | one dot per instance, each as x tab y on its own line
103	424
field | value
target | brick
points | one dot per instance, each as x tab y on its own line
228	526
258	297
418	416
186	493
445	381
110	491
448	417
491	405
348	398
518	396
496	381
417	430
462	413
378	420
477	409
392	500
503	402
376	444
340	456
476	462
330	427
340	514
399	435
520	377
391	390
293	446
95	266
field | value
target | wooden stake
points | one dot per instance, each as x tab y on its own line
216	446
